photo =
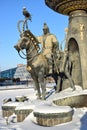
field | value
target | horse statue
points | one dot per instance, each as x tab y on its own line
37	64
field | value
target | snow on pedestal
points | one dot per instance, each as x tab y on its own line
77	98
76	101
48	115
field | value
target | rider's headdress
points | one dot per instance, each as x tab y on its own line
45	27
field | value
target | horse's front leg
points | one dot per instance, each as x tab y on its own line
36	83
43	87
37	89
37	86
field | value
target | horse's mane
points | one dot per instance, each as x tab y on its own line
29	34
26	33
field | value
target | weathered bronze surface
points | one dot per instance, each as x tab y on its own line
76	40
66	6
38	65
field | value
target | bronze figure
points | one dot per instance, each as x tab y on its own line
50	61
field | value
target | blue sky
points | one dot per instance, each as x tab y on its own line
11	13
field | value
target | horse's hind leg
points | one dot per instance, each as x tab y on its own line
58	87
70	80
55	77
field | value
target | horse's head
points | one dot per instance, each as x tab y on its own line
22	42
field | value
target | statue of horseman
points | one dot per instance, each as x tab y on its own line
48	61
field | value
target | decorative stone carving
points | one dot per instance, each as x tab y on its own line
66	6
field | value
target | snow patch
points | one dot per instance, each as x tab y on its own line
52	109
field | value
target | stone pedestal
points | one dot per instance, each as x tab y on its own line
53	115
23	111
76	101
22	114
9	108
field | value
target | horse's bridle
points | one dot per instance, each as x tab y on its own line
28	53
24	22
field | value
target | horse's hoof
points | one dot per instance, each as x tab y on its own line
38	97
43	98
74	89
57	91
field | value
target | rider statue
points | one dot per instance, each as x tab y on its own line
50	45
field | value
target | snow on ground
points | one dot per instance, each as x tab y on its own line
79	121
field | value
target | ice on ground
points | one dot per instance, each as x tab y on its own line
79	121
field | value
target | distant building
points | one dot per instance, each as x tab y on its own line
17	72
8	73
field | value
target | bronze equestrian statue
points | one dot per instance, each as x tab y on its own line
37	63
48	62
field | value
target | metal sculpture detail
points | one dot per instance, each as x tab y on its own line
38	64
